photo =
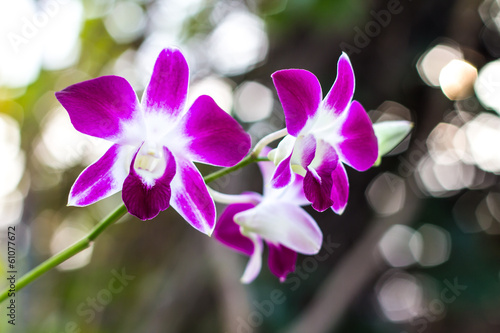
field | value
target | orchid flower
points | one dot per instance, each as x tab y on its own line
155	142
274	217
323	135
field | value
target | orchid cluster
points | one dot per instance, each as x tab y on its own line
157	141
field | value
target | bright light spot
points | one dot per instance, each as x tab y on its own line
170	15
219	89
427	180
400	296
61	45
13	160
254	101
441	144
454	176
126	22
124	66
65	235
487	85
436	245
431	63
98	8
483	136
35	35
457	79
61	146
395	246
11	209
238	43
386	194
10	137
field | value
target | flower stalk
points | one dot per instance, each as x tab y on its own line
69	252
113	217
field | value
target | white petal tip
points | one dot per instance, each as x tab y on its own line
245	281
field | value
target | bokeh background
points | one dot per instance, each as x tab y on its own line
418	247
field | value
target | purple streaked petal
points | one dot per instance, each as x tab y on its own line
340	189
255	263
167	90
143	199
228	232
101	179
214	136
105	107
283	174
300	94
190	197
283	223
359	149
318	180
281	260
305	148
342	90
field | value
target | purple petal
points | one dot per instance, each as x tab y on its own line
190	197
214	136
292	193
318	180
306	149
101	179
342	90
281	260
228	232
340	189
283	174
167	90
359	149
300	94
105	107
143	199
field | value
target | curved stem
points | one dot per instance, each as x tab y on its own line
267	140
69	252
249	159
86	241
228	199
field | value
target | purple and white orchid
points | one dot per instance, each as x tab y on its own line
274	217
323	135
155	142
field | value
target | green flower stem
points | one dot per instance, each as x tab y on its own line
249	159
69	252
86	241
